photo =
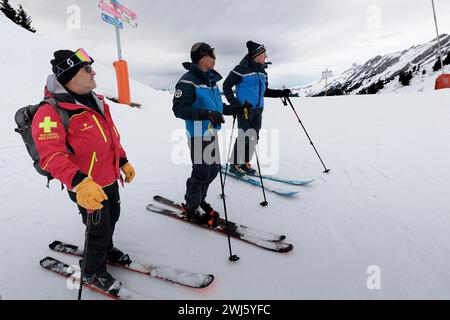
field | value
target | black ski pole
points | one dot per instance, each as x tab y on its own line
86	240
232	258
229	155
326	170
264	203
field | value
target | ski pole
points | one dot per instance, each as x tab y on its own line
232	258
264	203
326	170
86	240
231	138
229	152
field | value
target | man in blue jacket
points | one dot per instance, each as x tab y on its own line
250	80
197	100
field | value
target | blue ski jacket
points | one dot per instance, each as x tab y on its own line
196	90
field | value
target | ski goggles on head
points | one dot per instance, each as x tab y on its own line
80	56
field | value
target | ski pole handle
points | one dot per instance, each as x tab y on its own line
245	110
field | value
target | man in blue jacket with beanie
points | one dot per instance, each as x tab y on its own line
251	82
197	100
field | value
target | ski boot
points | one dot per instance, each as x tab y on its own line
212	216
237	170
248	169
205	219
104	281
118	257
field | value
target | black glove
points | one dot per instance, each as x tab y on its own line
215	117
285	93
240	109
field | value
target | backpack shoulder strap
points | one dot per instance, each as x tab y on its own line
62	112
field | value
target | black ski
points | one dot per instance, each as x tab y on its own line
174	275
267	236
73	272
238	233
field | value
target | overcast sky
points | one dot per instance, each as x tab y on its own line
302	37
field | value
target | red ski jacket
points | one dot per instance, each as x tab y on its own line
91	145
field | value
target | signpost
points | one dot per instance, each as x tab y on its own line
112	21
116	14
325	75
443	81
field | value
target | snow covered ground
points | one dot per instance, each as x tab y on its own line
385	202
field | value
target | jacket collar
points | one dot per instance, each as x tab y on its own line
54	89
212	76
250	63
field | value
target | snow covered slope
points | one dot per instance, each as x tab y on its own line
385	202
418	59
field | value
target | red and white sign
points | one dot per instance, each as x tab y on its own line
119	12
124	9
129	20
109	9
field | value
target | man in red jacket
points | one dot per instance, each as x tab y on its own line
87	157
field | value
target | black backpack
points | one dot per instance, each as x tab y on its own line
24	118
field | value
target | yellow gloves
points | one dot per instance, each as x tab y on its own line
129	172
90	194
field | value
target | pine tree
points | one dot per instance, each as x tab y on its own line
24	20
8	10
447	60
380	85
405	77
438	66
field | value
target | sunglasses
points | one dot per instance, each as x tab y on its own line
88	68
211	53
80	56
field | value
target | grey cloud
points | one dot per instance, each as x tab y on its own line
300	35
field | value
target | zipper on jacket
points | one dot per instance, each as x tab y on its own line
259	97
100	127
93	160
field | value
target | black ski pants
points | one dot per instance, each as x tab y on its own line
102	225
245	144
205	168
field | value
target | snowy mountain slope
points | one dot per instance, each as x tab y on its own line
385	202
419	59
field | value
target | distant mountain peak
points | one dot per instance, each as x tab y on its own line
381	73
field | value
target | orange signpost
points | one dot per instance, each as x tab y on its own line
123	83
